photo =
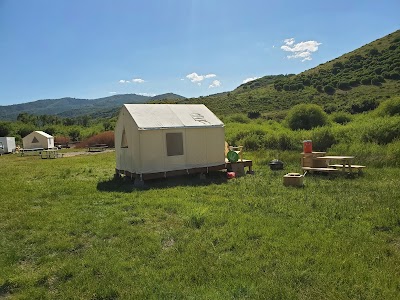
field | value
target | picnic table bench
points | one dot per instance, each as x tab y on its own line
32	151
358	168
319	162
50	153
97	147
323	170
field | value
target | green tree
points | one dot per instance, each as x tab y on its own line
74	134
5	128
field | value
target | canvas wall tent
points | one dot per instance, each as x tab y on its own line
7	144
38	139
160	138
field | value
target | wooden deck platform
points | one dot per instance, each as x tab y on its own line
146	176
323	170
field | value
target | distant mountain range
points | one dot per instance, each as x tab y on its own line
72	107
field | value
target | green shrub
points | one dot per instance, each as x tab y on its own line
323	138
252	142
253	114
389	107
239	118
375	81
329	89
341	117
382	131
363	105
343	85
306	116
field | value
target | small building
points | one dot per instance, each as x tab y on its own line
7	144
38	139
160	140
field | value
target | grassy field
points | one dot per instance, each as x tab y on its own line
68	230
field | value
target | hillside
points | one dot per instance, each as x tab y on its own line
72	107
355	82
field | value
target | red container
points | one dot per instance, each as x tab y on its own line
230	175
307	146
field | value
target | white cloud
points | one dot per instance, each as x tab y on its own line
182	79
215	83
250	79
124	81
137	80
289	42
112	93
302	50
194	77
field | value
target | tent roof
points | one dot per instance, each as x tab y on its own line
43	133
157	116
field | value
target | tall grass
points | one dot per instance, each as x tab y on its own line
70	230
373	139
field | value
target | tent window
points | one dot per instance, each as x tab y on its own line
124	141
174	144
35	140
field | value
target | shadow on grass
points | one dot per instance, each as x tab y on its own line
126	185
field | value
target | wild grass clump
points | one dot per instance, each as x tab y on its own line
106	137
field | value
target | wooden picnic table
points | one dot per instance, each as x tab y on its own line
50	153
32	150
344	162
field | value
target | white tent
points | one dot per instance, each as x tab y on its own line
163	139
7	144
38	139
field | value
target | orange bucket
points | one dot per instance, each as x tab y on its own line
307	146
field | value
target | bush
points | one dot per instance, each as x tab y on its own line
306	116
363	105
63	140
329	89
375	81
106	137
382	131
343	85
252	142
239	118
341	117
323	138
389	107
253	114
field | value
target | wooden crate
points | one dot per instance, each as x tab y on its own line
293	179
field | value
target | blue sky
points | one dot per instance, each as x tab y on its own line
94	48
